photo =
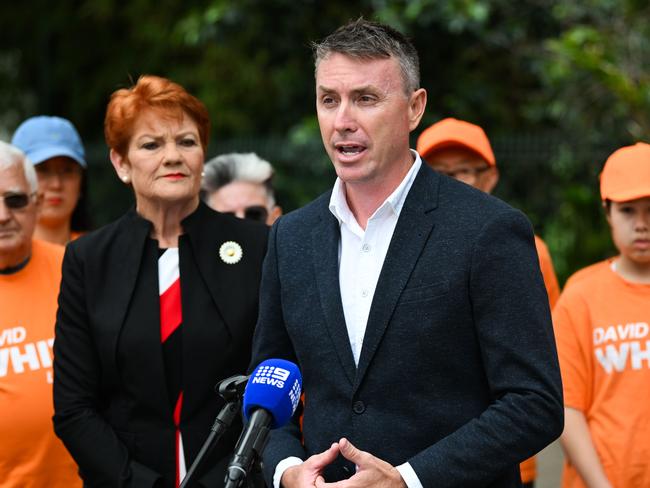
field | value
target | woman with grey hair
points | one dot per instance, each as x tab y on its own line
241	184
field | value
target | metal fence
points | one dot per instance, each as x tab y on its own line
552	177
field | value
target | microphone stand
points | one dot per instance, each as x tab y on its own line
254	444
231	390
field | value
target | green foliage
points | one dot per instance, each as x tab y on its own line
557	84
597	69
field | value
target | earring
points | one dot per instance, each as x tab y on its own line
125	178
202	174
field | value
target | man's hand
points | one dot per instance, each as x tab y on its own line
307	474
372	472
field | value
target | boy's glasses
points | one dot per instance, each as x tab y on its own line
16	201
254	212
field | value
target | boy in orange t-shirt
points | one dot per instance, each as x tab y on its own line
602	327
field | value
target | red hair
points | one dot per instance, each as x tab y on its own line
151	92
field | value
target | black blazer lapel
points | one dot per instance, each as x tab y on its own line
119	276
325	253
415	223
219	277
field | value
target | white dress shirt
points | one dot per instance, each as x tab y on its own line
362	253
361	257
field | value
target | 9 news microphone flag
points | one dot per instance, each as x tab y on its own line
270	400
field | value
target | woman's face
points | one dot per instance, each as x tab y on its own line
59	182
164	161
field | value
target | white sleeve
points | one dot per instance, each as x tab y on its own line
408	475
283	466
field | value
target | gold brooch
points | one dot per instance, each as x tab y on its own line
230	252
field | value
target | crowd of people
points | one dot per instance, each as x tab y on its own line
424	314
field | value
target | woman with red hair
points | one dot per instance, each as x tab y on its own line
156	307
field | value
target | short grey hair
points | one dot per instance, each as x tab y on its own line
362	39
12	156
246	167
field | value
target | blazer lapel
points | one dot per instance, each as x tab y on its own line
415	223
325	253
216	274
124	266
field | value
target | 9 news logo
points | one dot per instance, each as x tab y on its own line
271	375
294	394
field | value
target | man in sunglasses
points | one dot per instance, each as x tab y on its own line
30	272
241	184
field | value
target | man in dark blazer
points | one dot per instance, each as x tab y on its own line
412	303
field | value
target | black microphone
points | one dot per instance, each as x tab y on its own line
231	390
270	400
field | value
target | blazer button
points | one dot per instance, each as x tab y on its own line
359	407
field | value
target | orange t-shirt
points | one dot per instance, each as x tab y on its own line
529	467
548	272
602	329
31	455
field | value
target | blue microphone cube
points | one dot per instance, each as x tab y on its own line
274	386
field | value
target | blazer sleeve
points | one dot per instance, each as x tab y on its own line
513	327
102	456
271	340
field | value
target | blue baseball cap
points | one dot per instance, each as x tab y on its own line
44	137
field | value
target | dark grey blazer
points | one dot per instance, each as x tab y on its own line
458	373
111	407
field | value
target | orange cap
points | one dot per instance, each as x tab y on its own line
626	174
453	132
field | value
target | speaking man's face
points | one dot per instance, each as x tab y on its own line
365	117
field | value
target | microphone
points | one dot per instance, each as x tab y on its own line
270	400
231	390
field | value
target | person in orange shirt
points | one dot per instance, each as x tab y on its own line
54	147
31	455
602	328
462	150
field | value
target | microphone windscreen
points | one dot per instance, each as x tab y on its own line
275	386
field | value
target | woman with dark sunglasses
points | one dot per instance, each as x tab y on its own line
241	184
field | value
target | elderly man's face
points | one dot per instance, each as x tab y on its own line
16	224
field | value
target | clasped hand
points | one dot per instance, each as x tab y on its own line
371	471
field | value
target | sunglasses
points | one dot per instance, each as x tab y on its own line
16	201
254	212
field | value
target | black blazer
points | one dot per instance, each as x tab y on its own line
112	410
458	373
